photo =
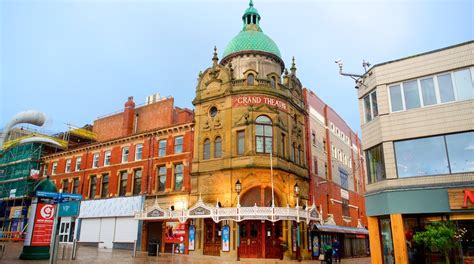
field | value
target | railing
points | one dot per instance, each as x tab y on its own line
202	210
257	82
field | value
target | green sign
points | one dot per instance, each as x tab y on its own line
69	209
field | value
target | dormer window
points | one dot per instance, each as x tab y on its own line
273	81
250	79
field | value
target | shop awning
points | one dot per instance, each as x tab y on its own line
342	229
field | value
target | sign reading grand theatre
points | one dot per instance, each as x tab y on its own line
255	100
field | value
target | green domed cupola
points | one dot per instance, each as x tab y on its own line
251	38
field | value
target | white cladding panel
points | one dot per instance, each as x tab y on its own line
107	229
126	229
120	206
90	230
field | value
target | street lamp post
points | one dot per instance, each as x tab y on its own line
238	188
296	190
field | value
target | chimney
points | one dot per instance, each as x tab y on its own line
128	115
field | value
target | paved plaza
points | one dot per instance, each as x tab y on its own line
91	255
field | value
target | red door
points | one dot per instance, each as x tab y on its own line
250	239
273	248
212	240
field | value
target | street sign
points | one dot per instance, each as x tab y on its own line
62	196
68	209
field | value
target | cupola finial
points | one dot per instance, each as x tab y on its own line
215	59
251	3
293	66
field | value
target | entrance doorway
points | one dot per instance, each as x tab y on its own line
260	240
212	238
66	229
250	239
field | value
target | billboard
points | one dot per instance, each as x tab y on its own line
43	225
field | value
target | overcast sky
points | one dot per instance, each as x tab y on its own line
77	60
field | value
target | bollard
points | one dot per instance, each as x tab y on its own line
134	248
74	249
157	249
64	252
172	249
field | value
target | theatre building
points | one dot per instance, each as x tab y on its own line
336	168
418	134
142	151
249	180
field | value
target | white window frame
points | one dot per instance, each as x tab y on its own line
95	160
436	87
68	165
54	168
77	167
136	151
107	157
123	154
369	94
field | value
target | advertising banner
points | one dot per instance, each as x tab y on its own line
43	225
225	238
175	233
192	234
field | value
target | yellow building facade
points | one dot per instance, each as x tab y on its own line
249	130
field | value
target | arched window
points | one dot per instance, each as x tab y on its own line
218	147
207	149
273	81
263	134
250	79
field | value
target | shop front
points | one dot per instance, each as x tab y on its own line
109	223
422	210
238	232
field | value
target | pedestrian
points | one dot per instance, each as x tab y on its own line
327	253
336	247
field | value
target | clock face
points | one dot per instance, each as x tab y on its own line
213	111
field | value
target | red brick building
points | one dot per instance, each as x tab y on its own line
336	169
141	151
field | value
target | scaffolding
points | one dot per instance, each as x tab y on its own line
16	165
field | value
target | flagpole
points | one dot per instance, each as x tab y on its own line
271	173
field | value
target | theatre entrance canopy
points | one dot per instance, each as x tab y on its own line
238	214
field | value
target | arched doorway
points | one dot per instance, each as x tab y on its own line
260	239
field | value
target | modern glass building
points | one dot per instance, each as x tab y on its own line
418	136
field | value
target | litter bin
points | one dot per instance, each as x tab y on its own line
152	248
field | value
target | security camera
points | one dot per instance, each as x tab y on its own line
338	61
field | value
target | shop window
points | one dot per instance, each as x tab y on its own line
240	142
206	154
178	144
435	155
138	151
375	164
162	148
218	147
387	243
137	181
161	178
263	134
123	183
178	177
125	152
92	186
104	192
